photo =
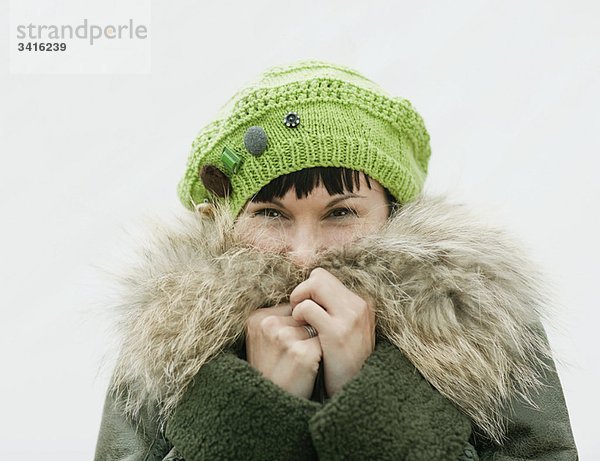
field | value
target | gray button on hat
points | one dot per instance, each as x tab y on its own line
255	140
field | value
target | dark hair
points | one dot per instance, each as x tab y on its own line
336	180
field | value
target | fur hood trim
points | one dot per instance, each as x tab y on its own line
456	296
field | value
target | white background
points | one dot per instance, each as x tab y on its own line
509	91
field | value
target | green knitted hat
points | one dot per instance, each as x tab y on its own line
306	114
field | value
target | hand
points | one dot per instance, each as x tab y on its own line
279	347
345	323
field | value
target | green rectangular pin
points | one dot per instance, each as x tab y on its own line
231	160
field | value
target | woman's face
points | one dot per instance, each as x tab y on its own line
301	227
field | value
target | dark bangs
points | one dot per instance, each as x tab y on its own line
337	180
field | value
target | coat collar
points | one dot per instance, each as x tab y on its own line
456	296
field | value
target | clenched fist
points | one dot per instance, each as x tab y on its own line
280	348
345	323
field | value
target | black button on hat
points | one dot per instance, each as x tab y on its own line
255	140
292	119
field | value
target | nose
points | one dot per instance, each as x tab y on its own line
302	257
302	245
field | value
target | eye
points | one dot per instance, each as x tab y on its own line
343	212
270	213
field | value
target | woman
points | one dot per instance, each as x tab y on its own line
319	306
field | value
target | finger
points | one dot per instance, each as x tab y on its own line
290	335
325	289
270	317
313	314
283	309
281	330
310	349
311	331
314	344
301	327
284	321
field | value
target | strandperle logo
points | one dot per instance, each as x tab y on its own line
84	31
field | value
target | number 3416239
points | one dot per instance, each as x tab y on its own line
35	46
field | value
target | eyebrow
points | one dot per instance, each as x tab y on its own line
330	204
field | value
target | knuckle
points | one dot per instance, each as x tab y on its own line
317	283
299	309
297	351
305	353
304	303
282	336
253	322
342	332
360	311
352	318
316	272
269	324
362	306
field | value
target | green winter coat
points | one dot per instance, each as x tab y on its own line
461	367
